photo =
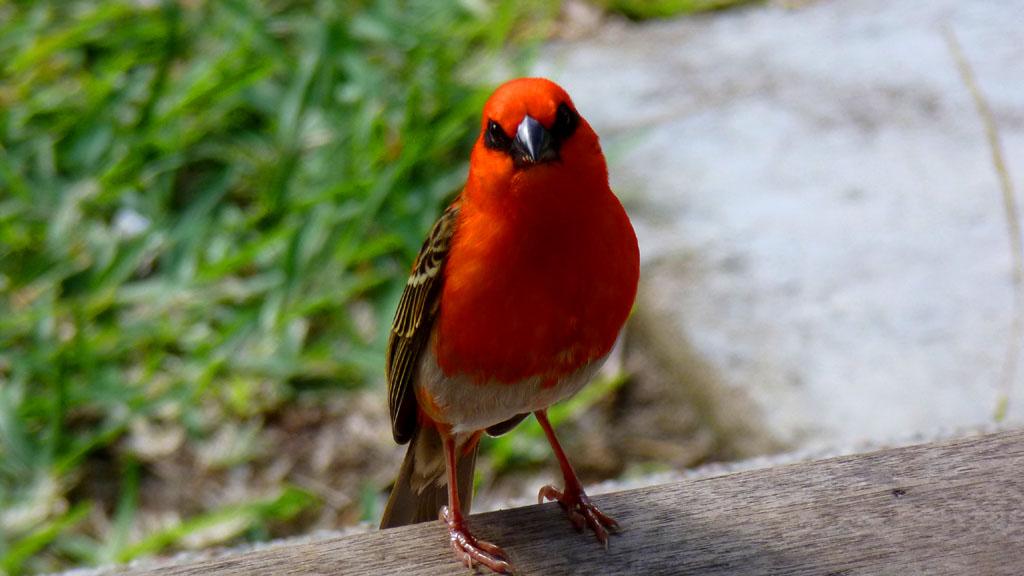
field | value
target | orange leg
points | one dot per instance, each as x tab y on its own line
468	549
582	512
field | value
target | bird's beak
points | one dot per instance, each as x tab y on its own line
533	143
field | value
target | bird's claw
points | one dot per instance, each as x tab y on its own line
469	550
581	511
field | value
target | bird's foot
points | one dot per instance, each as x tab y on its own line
469	550
581	511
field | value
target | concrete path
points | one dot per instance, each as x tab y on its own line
824	237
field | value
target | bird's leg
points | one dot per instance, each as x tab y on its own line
582	512
468	549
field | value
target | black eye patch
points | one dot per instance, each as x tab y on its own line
566	122
562	128
495	137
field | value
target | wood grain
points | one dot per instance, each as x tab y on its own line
955	507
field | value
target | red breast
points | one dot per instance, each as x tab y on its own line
543	267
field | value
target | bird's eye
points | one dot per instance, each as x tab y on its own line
495	137
565	122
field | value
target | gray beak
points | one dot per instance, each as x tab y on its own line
533	143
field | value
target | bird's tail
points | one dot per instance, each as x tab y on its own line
421	487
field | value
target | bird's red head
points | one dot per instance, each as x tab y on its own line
531	133
543	263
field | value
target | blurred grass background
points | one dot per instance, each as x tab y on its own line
207	212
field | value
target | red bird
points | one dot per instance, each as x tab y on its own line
514	301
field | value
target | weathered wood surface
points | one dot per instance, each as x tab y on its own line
955	507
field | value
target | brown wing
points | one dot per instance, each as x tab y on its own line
413	320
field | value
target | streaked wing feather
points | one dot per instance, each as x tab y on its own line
413	321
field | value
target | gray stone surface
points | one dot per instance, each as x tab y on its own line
823	234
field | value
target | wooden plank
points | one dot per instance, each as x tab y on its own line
955	507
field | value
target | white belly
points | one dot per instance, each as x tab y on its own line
469	406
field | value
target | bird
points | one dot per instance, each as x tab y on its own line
516	298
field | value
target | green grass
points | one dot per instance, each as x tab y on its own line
648	9
207	209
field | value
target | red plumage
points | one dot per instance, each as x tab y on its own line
516	298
